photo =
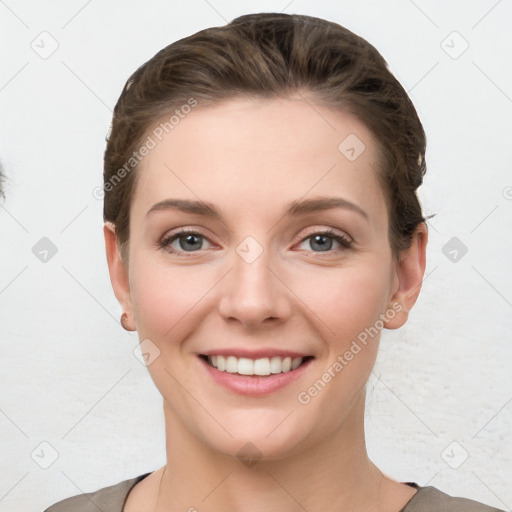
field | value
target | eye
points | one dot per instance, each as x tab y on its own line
322	241
189	241
183	241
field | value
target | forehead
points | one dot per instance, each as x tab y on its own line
274	150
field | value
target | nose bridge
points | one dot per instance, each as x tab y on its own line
253	279
253	293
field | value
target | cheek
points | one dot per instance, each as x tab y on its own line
163	296
347	300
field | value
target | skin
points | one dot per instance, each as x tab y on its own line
250	158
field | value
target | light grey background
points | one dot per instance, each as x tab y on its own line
440	401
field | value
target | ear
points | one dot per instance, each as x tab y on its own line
410	271
118	271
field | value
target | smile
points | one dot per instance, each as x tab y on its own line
261	367
255	374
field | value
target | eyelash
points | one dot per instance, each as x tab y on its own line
345	242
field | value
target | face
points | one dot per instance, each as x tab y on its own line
257	243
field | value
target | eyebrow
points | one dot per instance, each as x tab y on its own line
295	208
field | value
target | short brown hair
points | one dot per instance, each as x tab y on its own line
268	55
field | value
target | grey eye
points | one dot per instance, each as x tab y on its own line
190	242
322	242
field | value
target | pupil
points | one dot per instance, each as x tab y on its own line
189	239
320	240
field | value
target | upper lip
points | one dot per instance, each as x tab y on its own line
254	354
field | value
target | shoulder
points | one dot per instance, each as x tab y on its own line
431	499
107	499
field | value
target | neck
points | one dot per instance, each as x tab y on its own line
335	474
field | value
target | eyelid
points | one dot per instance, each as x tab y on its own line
327	231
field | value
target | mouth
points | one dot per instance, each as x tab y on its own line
261	367
258	375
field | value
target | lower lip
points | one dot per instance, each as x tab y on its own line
254	385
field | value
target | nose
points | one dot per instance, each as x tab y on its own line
254	294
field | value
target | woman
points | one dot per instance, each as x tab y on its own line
262	227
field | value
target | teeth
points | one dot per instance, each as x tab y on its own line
231	364
276	365
246	366
262	366
296	362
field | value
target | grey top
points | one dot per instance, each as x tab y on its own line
113	499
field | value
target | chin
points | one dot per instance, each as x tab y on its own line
257	448
257	435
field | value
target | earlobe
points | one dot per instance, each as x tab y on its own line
410	272
118	273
